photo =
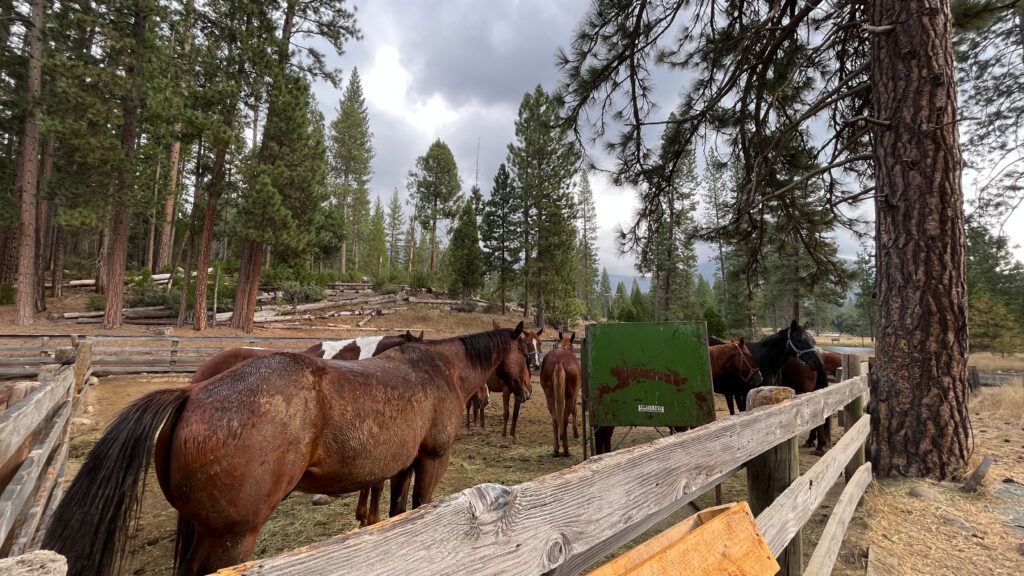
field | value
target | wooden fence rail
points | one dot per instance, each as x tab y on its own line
34	442
563	522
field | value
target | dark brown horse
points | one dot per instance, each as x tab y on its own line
477	402
351	349
560	378
512	375
231	447
802	379
832	361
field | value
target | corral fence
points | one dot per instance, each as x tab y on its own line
34	441
561	523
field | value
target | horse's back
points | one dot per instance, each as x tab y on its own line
225	360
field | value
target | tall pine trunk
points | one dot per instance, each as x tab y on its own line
919	392
203	261
25	299
119	248
150	239
248	276
57	257
165	242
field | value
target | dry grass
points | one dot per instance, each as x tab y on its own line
990	362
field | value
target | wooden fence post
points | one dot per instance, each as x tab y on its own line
770	473
44	353
174	353
853	411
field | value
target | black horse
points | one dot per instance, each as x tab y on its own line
770	353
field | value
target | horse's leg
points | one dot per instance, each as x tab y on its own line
399	491
210	553
741	401
515	420
565	431
603	439
824	435
504	411
575	429
374	513
728	402
429	471
361	507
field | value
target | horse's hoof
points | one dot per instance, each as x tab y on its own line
819	451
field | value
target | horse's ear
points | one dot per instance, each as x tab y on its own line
494	325
518	330
541	331
794	325
743	341
560	336
572	338
421	336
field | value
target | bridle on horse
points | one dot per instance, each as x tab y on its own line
747	370
799	352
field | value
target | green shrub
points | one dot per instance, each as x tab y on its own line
567	312
79	267
6	293
421	279
388	289
96	303
466	305
295	293
148	294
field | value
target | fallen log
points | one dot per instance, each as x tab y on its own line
336	304
415	300
365	319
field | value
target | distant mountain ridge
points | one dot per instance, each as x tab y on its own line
705	269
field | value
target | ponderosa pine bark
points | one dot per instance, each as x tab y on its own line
122	212
203	261
29	173
919	389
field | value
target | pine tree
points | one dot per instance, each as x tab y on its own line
703	295
621	300
640	303
465	258
395	227
543	162
586	246
352	156
376	242
501	231
605	292
760	76
435	188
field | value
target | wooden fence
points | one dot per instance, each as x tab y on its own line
34	441
564	522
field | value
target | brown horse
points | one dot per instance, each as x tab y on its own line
230	448
560	378
732	357
477	402
832	361
512	375
351	349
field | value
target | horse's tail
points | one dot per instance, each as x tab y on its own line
559	385
91	524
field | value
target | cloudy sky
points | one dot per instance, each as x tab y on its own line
457	70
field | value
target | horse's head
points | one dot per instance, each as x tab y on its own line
515	368
801	345
531	345
565	341
745	366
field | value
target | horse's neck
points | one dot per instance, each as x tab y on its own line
468	377
770	354
719	359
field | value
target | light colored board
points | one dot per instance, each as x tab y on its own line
824	557
145	360
543	525
55	497
716	542
790	511
25	361
22	419
114	370
23	485
882	562
35	514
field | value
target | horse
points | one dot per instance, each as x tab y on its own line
560	378
228	449
803	379
728	357
512	375
351	349
832	361
477	402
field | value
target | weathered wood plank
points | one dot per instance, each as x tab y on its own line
55	497
35	514
114	370
41	563
720	541
824	557
23	485
790	511
22	419
539	526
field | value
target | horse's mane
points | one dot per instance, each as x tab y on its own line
480	347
